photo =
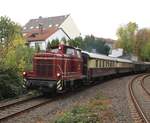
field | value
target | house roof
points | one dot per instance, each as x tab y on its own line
40	35
55	21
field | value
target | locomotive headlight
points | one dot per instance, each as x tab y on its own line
24	74
58	74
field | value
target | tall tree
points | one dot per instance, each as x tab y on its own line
9	30
142	38
54	42
126	37
145	52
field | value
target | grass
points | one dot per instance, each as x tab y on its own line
90	113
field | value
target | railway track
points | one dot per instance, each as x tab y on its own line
17	102
140	100
143	86
14	109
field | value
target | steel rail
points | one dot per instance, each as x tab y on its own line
135	102
18	102
24	110
142	84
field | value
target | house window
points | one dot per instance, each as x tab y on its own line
24	28
50	25
31	27
56	25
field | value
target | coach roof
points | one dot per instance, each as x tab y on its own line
99	56
124	60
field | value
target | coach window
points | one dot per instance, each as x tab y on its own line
107	63
96	63
104	63
99	63
70	51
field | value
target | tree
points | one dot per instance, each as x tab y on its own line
92	43
145	52
77	42
9	30
15	57
142	39
48	48
126	37
54	42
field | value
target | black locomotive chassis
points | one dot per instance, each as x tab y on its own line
41	84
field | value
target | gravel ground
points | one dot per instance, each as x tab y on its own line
115	90
147	83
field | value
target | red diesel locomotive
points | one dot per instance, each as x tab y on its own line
57	69
64	67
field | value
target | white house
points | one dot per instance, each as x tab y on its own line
41	38
116	53
40	31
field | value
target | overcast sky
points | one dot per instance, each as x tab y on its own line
98	17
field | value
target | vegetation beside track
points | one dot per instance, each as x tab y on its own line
15	57
96	110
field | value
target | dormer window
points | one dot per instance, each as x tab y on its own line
31	27
56	25
50	25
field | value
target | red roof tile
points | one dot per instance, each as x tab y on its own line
40	35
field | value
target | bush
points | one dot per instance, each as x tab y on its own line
79	114
10	83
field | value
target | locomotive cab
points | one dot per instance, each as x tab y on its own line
55	69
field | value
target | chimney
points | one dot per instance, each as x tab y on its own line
41	28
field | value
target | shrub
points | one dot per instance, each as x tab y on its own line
10	83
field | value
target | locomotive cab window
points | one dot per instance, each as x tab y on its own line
70	51
55	50
78	54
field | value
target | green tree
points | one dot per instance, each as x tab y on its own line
142	39
126	37
9	30
97	44
54	42
48	48
145	52
15	57
77	42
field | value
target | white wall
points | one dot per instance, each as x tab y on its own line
116	52
57	35
70	28
42	44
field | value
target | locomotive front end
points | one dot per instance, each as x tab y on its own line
57	70
47	71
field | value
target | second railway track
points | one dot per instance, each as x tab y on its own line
140	100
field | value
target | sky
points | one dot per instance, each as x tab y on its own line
101	18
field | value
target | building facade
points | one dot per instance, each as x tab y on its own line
43	30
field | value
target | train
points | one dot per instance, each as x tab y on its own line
65	67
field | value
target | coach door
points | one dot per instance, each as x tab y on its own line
85	63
